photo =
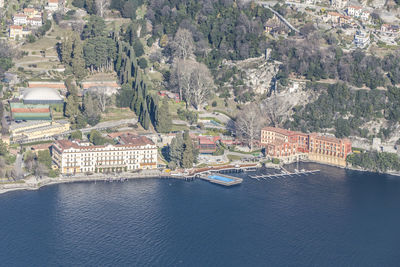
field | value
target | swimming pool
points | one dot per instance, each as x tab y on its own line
220	178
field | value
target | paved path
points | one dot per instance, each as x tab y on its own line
267	5
109	124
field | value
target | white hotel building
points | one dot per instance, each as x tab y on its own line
132	153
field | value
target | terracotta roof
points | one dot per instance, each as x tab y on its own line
16	27
41	146
205	140
280	130
53	1
37	19
20	15
331	139
118	134
334	14
128	141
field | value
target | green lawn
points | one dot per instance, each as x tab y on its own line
233	157
40	44
176	127
117	114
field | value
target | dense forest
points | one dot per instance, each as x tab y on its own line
95	50
306	57
221	29
375	161
346	110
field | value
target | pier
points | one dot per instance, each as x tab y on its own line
284	173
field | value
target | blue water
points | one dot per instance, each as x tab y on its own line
220	178
334	218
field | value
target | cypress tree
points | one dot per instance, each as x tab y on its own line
187	156
163	122
146	120
176	150
118	62
66	49
78	62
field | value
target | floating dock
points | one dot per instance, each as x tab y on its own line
283	174
221	179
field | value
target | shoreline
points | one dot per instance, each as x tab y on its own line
35	184
394	173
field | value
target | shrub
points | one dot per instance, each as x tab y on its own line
275	161
142	63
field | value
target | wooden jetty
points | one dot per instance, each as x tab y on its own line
283	174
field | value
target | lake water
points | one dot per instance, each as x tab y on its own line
334	218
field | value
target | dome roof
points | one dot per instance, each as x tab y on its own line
41	94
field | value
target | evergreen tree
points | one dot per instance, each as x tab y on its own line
96	27
146	120
77	135
66	49
138	102
80	121
3	148
187	156
91	110
176	150
90	6
118	62
144	117
78	62
163	122
71	107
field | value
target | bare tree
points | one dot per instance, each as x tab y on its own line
248	124
193	81
40	170
183	44
274	108
101	6
201	84
102	97
180	79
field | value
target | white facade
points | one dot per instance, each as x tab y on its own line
74	157
339	3
52	5
365	15
361	39
34	22
354	11
20	19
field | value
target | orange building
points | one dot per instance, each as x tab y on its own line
292	145
329	149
